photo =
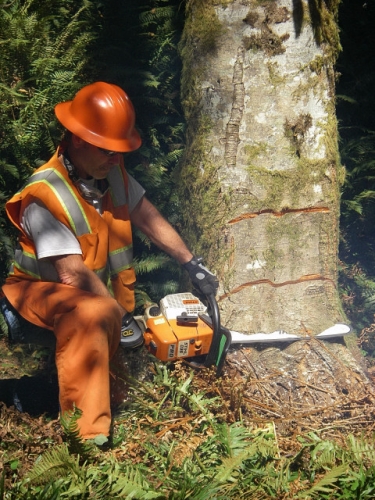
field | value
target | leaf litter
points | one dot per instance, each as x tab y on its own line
303	387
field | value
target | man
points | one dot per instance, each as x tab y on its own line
74	217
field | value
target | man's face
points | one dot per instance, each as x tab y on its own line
91	161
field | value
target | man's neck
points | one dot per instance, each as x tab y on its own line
73	157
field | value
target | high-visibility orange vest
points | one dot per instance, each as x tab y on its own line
105	240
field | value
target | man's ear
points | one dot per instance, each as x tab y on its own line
77	141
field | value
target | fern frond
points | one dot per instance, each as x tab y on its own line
10	169
157	15
77	445
231	466
53	464
151	263
3	330
361	450
132	484
326	484
166	287
353	205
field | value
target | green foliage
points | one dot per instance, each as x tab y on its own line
53	464
44	54
74	443
349	469
152	73
47	54
58	474
152	266
356	114
184	438
357	234
173	441
43	57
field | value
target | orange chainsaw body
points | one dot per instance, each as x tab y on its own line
175	329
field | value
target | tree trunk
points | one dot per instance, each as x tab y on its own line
261	177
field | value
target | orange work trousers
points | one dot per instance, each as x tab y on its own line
87	330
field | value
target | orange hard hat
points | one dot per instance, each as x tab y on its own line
103	115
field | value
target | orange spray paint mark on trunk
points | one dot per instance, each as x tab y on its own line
252	215
302	279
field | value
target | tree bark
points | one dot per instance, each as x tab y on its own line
260	183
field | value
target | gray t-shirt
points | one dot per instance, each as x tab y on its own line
52	238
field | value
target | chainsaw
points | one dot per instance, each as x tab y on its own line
181	327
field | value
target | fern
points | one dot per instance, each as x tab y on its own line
133	485
63	475
40	66
207	458
48	54
54	464
361	451
327	484
149	263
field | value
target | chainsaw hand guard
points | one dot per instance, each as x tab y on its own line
201	277
131	333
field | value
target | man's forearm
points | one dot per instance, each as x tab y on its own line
149	220
72	271
168	240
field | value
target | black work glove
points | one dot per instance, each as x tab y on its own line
201	277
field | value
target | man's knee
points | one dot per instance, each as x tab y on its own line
91	314
102	310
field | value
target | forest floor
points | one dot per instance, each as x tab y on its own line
302	387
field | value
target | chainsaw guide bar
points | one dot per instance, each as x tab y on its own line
337	330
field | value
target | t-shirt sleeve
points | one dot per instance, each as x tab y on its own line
135	192
51	238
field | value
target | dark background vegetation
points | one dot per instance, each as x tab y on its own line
356	115
48	51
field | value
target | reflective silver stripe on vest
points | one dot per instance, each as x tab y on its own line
117	186
26	262
64	193
102	274
120	259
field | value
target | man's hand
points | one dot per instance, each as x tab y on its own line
201	277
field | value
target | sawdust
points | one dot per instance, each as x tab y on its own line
306	385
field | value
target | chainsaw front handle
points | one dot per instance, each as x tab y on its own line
221	339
